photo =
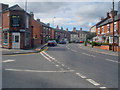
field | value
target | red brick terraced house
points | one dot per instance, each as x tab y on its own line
16	28
20	30
59	34
104	30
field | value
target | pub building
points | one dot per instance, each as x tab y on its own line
16	28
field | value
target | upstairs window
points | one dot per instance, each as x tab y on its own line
102	29
114	26
15	21
108	28
98	30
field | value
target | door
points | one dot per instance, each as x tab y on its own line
16	40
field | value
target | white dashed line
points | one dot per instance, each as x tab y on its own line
93	82
20	70
102	87
88	54
8	61
63	65
111	60
82	76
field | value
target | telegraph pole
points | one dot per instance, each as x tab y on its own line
113	25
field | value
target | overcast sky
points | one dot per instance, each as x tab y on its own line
68	14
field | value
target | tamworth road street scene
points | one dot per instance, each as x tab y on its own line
63	45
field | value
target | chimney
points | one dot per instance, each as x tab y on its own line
48	24
67	29
61	28
38	20
115	13
31	13
74	29
80	29
108	15
57	27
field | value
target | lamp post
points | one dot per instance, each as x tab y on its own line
113	25
53	20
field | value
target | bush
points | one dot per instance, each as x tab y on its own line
70	41
74	41
110	47
85	43
96	44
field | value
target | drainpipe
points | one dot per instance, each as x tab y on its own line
113	25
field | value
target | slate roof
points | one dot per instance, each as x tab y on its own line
110	20
15	8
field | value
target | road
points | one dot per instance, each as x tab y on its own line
63	66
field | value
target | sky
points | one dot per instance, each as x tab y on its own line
67	14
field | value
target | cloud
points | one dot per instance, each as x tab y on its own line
69	14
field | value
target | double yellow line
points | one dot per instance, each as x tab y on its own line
28	53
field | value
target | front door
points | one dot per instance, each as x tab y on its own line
16	40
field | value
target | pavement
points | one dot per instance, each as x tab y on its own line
63	66
21	51
109	52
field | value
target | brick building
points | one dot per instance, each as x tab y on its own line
2	8
16	28
104	30
60	34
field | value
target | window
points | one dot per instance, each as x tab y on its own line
114	26
102	29
15	21
98	30
16	39
35	36
111	39
108	28
5	38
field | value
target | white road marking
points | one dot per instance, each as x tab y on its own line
82	76
103	87
20	70
88	54
8	61
57	65
63	65
73	50
49	56
93	82
45	57
111	60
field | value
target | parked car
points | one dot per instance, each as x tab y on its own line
77	41
52	43
81	42
62	42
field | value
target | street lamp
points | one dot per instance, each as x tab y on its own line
53	20
113	25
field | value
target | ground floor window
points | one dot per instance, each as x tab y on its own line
111	40
119	41
5	38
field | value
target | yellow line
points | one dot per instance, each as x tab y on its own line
28	53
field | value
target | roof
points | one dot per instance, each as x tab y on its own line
110	20
71	32
14	8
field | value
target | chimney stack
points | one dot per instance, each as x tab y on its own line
115	13
31	13
48	24
80	29
57	27
67	29
38	20
74	29
61	28
108	15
